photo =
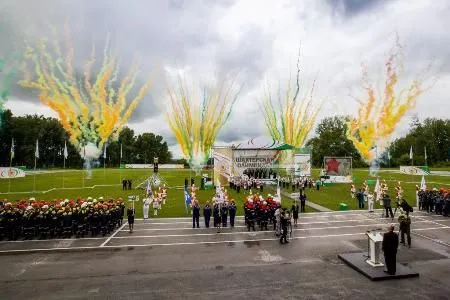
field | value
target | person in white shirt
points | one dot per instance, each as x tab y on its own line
352	191
370	199
146	207
155	206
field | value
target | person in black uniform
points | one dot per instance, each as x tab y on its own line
295	209
405	228
216	215
232	211
224	213
130	213
389	246
387	205
195	214
284	229
124	185
207	213
302	200
129	184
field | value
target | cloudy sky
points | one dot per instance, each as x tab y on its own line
257	39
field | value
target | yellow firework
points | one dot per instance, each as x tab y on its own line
290	117
91	110
195	116
378	116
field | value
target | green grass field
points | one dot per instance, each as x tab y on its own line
107	183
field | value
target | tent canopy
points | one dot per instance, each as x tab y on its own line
284	147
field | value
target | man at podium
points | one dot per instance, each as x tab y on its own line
389	246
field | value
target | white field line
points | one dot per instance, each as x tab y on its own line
115	232
195	243
55	240
299	223
160	221
432	239
55	189
256	232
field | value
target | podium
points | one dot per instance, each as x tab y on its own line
375	238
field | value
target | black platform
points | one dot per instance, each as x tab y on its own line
357	261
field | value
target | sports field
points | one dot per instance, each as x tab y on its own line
107	183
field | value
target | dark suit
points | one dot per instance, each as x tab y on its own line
390	245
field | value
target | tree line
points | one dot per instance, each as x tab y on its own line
141	148
329	140
431	135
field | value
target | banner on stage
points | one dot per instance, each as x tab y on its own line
302	164
6	173
337	166
150	166
254	159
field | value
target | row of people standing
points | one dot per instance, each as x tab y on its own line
219	211
434	201
50	219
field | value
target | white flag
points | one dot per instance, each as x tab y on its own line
66	154
423	185
104	152
389	155
377	186
426	153
410	153
149	187
36	153
120	151
12	148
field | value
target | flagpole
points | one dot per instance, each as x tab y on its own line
36	155
84	160
426	157
104	165
10	165
64	166
34	175
120	163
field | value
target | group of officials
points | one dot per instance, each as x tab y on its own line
258	211
32	219
434	201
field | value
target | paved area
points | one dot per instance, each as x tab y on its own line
167	259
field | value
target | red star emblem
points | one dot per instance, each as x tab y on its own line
332	166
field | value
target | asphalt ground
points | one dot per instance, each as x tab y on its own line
168	259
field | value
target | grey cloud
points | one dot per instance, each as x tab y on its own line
251	57
350	8
159	32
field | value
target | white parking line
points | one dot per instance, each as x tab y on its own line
300	223
54	240
202	242
252	232
115	232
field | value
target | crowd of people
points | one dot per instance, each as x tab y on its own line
34	219
155	199
247	183
429	200
259	212
434	201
